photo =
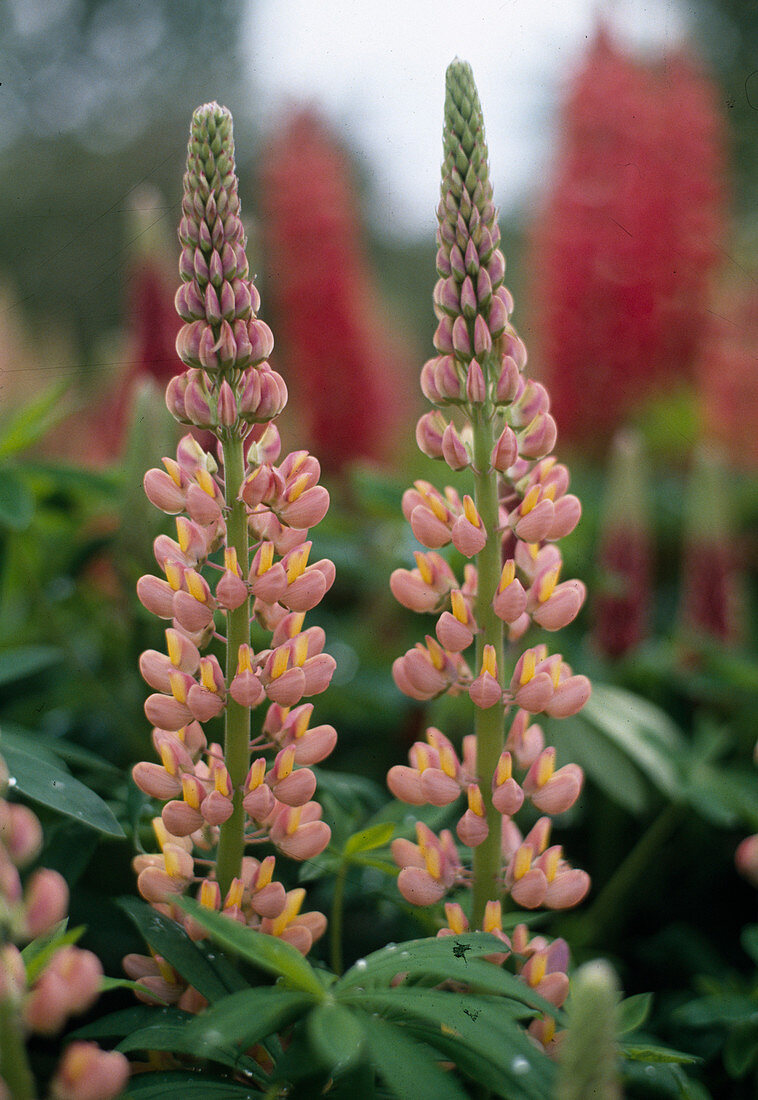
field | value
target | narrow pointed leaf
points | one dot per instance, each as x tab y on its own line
633	1012
367	839
47	784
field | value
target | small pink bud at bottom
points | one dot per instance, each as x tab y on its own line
259	803
562	607
508	798
569	698
438	788
530	890
568	512
430	531
453	634
429	431
418	887
297	789
231	591
453	449
216	808
567	889
88	1073
181	819
561	791
405	784
45	902
472	830
21	833
307	841
270	901
485	691
315	745
536	524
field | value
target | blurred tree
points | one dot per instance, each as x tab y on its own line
95	96
728	33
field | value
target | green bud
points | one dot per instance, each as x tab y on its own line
588	1059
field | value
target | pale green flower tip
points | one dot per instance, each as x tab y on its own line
463	135
596	982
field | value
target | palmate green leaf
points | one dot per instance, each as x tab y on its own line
336	1036
170	1086
16	501
189	959
365	840
266	952
407	1066
26	660
248	1016
47	784
458	958
489	1074
632	1012
479	1025
643	732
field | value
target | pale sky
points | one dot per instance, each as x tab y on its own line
377	71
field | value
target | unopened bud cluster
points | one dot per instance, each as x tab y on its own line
68	983
241	556
492	419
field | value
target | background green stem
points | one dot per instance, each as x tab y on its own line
237	732
14	1066
488	723
335	922
606	914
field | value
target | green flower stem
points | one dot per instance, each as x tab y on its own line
237	736
488	723
607	910
14	1066
335	920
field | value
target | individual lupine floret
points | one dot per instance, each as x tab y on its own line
68	982
241	555
502	430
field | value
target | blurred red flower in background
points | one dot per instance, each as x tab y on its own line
350	377
628	236
728	375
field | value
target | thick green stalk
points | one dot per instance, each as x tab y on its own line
237	735
14	1065
489	722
